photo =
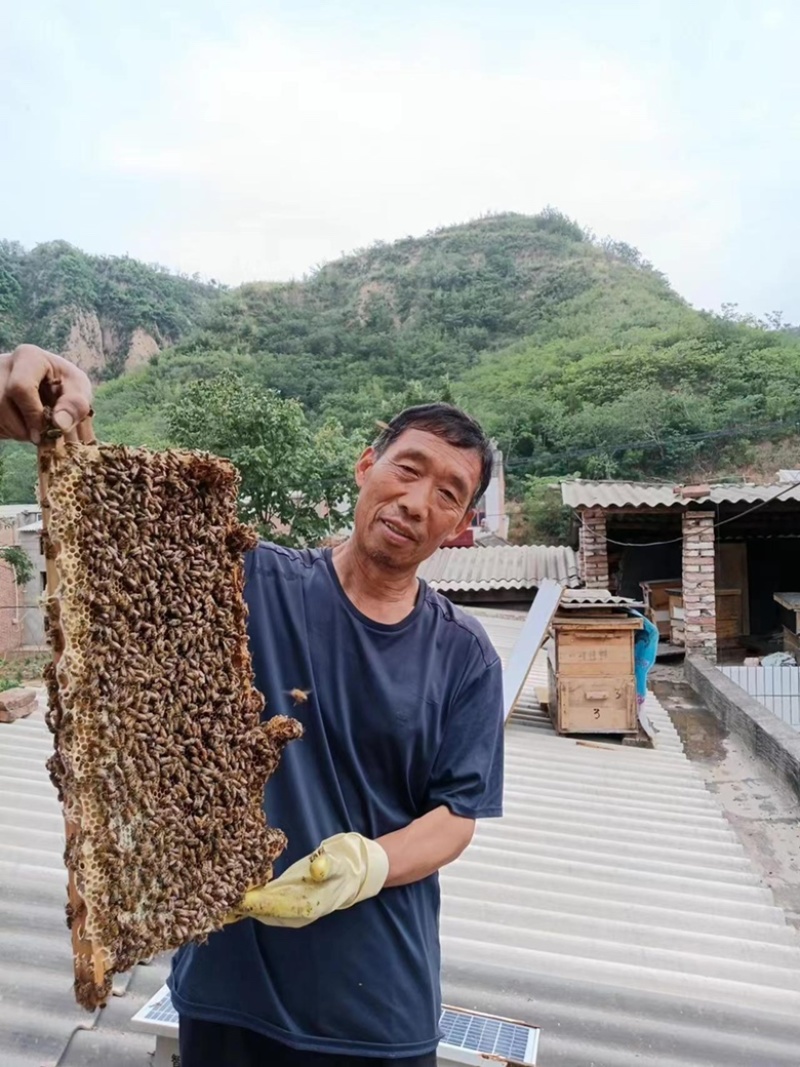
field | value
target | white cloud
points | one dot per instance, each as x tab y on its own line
276	154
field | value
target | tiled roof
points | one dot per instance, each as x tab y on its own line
499	567
583	494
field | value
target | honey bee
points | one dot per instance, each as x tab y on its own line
299	696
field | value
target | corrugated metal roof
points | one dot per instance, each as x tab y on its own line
499	567
40	1023
614	907
595	597
11	511
581	494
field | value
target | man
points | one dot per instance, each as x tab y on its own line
336	962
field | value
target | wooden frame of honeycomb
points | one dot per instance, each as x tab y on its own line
160	755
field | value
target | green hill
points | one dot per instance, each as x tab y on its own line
108	314
576	353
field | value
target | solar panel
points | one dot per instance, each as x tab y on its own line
463	1031
488	1036
158	1016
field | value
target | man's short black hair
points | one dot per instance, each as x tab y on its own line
452	425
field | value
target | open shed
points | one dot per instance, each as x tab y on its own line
738	539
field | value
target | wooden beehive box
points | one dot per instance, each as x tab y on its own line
677	634
656	602
592	686
789	609
729	616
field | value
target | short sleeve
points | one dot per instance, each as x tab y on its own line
467	774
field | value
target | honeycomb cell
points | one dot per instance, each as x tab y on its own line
160	757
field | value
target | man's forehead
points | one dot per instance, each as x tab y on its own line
430	447
423	442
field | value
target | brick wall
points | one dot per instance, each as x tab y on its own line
699	604
593	556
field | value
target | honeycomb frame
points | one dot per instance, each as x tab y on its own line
160	753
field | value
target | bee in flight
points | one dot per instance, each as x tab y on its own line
300	696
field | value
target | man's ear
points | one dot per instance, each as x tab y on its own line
364	464
465	522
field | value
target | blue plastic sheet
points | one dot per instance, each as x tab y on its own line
644	654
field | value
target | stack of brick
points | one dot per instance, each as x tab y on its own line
593	556
699	603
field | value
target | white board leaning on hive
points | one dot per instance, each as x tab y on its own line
160	756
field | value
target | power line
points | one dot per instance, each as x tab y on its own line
716	526
578	453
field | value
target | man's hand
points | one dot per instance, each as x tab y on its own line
31	378
345	870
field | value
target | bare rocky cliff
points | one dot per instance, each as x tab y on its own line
109	314
95	345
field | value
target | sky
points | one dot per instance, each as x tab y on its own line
257	139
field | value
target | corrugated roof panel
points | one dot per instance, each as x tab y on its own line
39	1018
581	494
614	907
10	511
585	494
596	597
499	567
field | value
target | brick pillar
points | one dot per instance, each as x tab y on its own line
593	556
699	587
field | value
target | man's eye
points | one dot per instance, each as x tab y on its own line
407	470
448	496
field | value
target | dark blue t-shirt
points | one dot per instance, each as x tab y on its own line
400	720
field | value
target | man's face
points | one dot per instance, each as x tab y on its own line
413	497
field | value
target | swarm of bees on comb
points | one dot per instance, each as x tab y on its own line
160	754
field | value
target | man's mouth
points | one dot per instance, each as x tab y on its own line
400	531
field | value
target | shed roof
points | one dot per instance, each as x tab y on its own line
11	511
39	1019
499	567
596	598
614	907
585	494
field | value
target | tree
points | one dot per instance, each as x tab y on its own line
19	562
297	484
545	519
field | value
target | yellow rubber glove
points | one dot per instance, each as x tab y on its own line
344	870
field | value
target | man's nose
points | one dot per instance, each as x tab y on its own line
416	500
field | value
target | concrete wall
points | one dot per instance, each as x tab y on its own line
494	500
777	688
765	734
21	625
9	628
32	616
